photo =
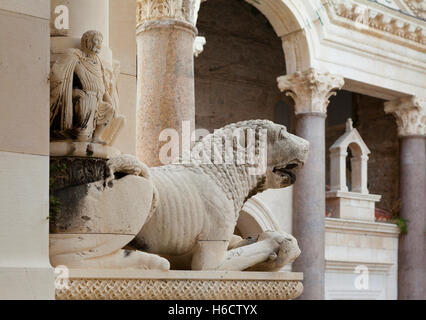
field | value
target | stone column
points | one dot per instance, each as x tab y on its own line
410	114
165	90
311	91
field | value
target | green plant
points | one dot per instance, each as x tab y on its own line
400	222
57	170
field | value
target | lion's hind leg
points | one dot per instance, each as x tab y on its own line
119	259
271	252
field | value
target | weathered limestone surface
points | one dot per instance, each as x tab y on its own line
180	285
84	98
197	229
72	171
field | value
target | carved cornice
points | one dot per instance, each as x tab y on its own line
310	90
157	10
370	18
410	114
418	7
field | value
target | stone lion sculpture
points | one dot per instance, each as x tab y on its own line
194	207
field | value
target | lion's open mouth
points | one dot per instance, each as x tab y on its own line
285	171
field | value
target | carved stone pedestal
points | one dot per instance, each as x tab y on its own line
67	148
179	285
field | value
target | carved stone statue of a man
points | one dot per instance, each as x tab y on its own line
82	104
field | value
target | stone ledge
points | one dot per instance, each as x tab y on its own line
353	195
370	228
70	148
180	285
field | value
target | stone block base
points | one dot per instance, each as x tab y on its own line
180	285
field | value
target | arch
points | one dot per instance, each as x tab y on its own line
255	218
288	19
356	149
338	152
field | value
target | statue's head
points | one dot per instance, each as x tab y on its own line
91	42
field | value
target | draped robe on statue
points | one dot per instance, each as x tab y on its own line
78	115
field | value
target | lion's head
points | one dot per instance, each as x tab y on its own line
285	154
275	153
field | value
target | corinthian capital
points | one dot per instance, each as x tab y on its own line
410	114
180	10
310	90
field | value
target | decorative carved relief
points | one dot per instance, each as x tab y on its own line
179	289
181	10
418	7
310	90
83	95
370	17
410	114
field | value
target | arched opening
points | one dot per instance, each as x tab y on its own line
353	170
235	76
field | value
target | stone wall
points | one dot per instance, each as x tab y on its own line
235	76
25	272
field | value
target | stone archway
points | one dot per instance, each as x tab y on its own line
247	43
288	19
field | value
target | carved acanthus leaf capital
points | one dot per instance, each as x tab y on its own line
310	90
410	114
180	10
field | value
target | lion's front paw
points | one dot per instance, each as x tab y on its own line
284	249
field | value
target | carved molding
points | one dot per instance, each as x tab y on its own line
369	17
310	90
179	289
410	115
418	7
180	10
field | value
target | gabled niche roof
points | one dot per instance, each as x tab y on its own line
351	135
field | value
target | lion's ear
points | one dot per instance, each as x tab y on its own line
283	134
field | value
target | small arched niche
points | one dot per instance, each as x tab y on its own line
358	163
340	197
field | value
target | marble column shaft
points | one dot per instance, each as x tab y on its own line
410	114
165	84
310	91
309	206
165	90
